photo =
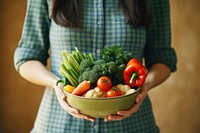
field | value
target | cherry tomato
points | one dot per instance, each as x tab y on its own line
104	83
113	92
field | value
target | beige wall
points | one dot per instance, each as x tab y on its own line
176	102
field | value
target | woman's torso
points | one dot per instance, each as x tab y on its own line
103	25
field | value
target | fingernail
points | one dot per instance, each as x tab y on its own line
105	120
76	112
91	120
118	112
137	99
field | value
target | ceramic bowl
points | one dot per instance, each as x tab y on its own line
101	107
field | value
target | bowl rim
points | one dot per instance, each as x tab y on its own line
122	96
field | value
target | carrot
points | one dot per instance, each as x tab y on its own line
81	88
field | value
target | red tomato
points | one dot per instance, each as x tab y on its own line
113	92
104	83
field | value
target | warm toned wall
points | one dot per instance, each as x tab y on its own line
176	102
19	99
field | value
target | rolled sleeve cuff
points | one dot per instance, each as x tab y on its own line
164	56
22	55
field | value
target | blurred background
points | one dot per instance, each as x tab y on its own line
175	102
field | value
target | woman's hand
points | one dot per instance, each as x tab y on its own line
122	114
157	74
62	100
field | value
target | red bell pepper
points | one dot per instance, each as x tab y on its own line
135	73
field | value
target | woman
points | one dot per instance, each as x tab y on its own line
139	26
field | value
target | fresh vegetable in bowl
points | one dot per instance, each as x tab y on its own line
99	88
81	88
116	68
113	92
95	93
121	57
69	88
135	73
77	67
100	107
104	83
70	67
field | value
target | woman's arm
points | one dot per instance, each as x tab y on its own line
157	74
35	72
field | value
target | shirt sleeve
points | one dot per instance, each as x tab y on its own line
34	41
158	45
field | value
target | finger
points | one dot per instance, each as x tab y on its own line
82	116
114	118
68	108
59	93
125	113
141	95
91	119
138	98
79	115
134	108
62	100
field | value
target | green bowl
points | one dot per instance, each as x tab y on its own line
101	107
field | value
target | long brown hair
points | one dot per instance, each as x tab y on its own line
66	12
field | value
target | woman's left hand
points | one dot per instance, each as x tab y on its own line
122	114
156	75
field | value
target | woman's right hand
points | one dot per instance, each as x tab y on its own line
62	100
47	78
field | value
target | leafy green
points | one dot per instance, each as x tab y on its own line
117	54
77	66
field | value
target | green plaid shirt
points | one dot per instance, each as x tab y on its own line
103	25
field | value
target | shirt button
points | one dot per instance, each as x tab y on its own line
95	127
99	5
99	22
98	51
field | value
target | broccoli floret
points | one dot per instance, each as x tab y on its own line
105	68
85	64
88	69
102	69
90	75
112	67
99	62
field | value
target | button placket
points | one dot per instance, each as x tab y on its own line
99	31
99	13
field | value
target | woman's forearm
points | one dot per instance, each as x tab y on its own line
157	74
35	72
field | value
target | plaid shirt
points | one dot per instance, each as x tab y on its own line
103	25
